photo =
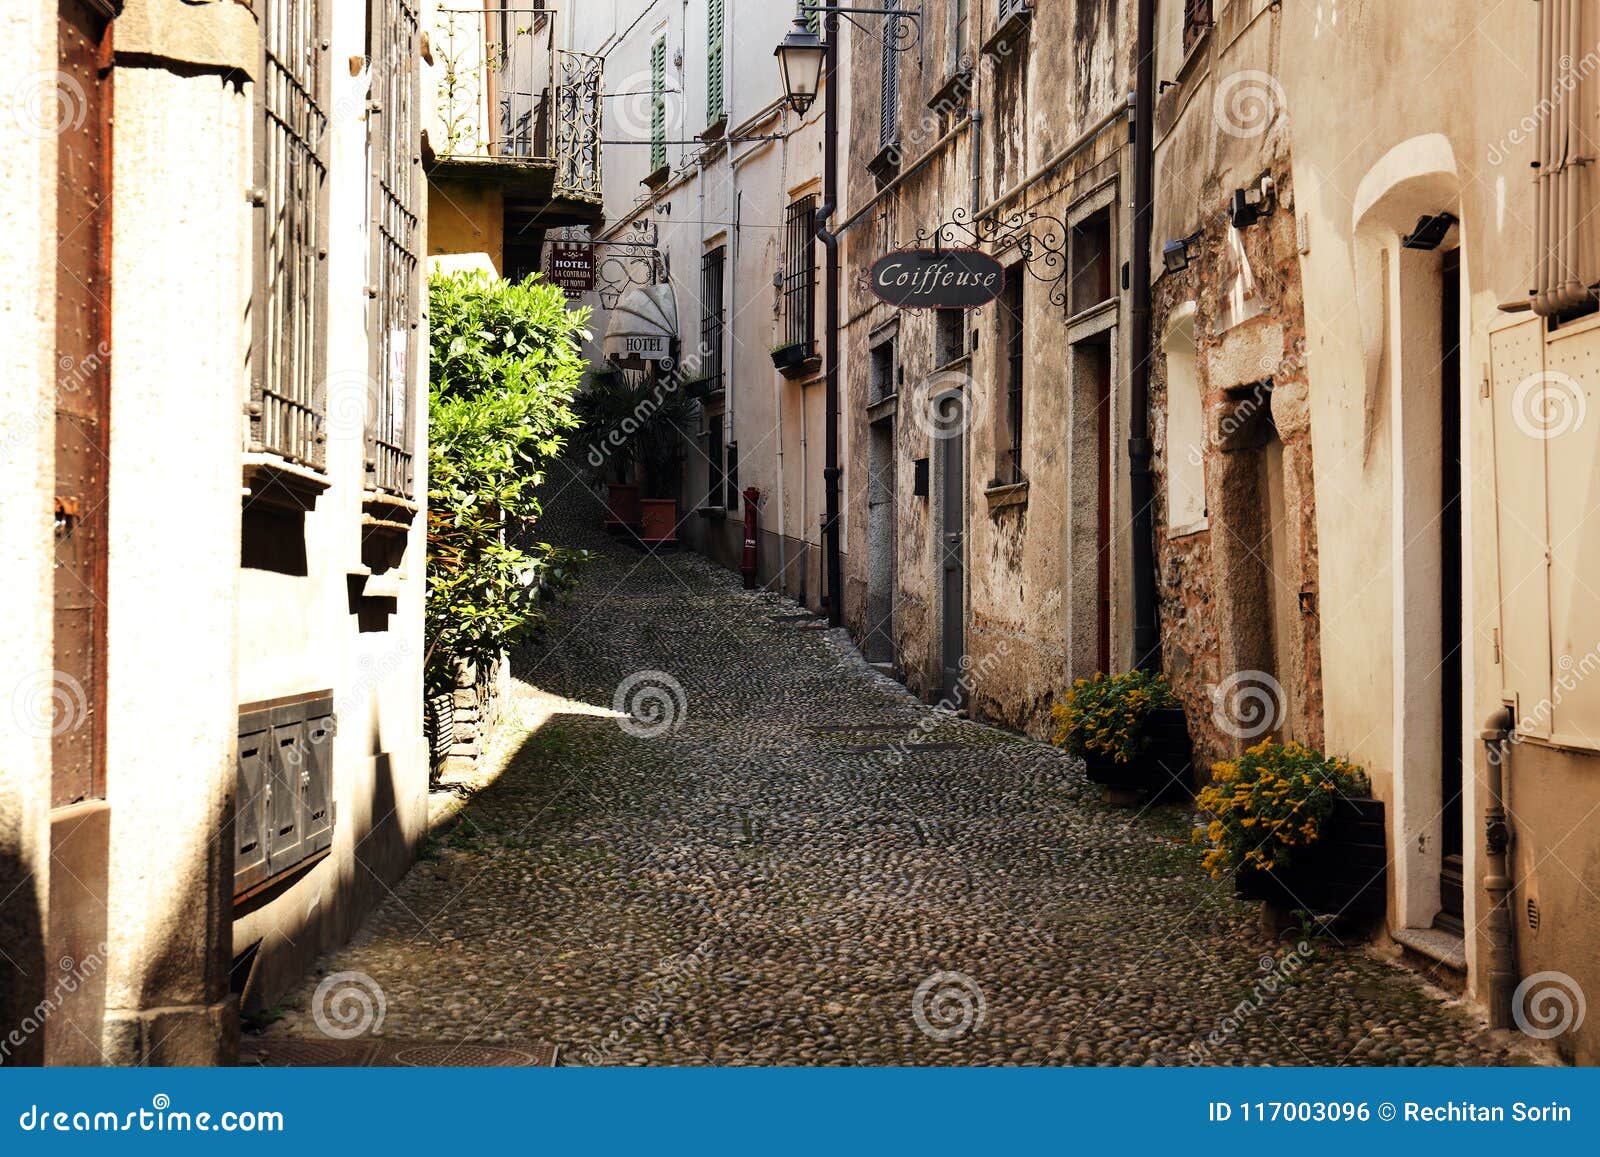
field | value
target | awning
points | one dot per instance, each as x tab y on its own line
643	327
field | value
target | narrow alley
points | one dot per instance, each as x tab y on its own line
792	861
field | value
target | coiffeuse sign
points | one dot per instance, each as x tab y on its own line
937	278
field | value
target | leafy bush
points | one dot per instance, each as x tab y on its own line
1270	801
505	362
1105	715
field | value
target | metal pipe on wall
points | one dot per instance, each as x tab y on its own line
1501	966
1146	625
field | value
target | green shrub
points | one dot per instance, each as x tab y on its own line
1104	716
1270	801
506	359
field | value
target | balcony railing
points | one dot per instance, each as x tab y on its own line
506	92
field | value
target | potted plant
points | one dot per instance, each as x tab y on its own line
1129	730
1298	830
795	357
636	432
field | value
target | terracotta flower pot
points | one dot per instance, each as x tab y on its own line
622	503
659	517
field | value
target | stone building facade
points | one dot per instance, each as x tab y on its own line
214	760
1379	548
986	480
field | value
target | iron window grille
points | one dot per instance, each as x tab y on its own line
712	316
800	274
1196	21
716	463
393	132
1011	312
288	393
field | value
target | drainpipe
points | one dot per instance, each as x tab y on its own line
1146	629
830	241
1497	734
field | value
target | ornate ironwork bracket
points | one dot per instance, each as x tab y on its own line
632	262
1039	239
903	26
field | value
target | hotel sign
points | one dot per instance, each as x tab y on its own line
937	278
572	268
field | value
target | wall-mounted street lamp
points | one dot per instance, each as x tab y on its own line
1250	205
1177	254
806	59
800	58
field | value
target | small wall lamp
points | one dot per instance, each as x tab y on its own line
1430	232
1175	255
1250	205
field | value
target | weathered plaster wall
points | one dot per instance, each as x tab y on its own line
27	487
334	625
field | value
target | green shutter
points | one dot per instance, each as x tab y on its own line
814	19
714	62
658	104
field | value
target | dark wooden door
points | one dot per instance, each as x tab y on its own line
83	360
1102	443
953	550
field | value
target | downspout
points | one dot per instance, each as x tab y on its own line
1146	629
1497	734
830	204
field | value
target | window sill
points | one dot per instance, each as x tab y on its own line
713	513
956	90
658	178
1188	529
885	165
1003	42
1007	496
884	409
278	484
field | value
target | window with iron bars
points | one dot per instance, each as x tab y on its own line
1196	20
711	316
800	274
393	131
288	395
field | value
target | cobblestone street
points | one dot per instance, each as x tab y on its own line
808	866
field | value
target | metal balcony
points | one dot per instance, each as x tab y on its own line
513	108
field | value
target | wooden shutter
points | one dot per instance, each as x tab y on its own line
1516	356
658	104
715	65
889	94
249	811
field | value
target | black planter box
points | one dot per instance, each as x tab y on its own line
795	360
1164	769
1345	873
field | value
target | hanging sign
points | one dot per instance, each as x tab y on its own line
937	278
572	267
